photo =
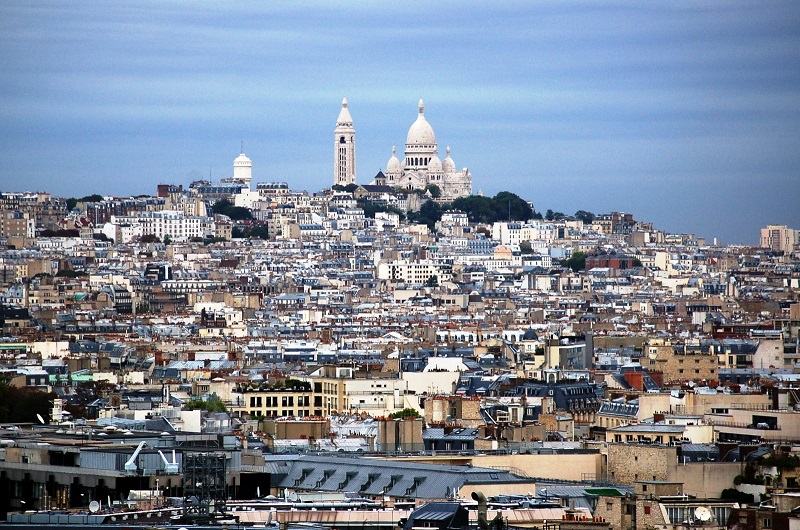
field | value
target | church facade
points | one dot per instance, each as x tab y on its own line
420	167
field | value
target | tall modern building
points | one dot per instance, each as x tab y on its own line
344	148
779	238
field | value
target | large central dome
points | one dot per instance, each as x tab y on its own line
421	132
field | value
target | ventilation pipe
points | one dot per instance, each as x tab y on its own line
483	522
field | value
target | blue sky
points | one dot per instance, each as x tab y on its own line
686	114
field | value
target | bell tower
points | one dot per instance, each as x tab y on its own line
344	148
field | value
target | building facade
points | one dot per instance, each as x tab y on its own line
779	238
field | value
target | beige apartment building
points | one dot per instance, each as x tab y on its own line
779	238
683	363
273	402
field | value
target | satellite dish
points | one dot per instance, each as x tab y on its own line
94	506
702	513
41	420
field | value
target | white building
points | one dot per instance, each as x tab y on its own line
415	273
421	165
176	225
344	148
242	170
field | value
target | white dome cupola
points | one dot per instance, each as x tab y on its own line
420	142
434	164
448	165
242	169
421	133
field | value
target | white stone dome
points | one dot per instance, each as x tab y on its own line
242	161
421	132
434	165
393	165
448	165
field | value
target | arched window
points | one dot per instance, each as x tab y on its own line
341	140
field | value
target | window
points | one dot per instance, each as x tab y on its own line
647	510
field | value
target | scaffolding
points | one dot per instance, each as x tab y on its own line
205	489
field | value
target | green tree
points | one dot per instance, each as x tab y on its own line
737	496
577	261
226	207
502	207
525	247
21	405
66	273
510	206
296	384
213	404
586	217
259	232
72	202
478	209
350	188
550	215
435	190
432	281
407	412
429	213
370	209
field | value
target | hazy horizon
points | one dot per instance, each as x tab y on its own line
685	114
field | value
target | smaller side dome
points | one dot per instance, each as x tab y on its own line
448	165
393	165
434	165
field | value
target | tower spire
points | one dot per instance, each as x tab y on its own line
344	140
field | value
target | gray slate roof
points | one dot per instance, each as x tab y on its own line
398	479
